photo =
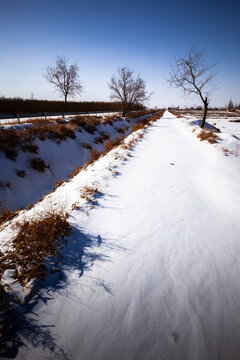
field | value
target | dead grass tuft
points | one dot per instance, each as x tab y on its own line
88	123
39	164
138	126
95	155
89	192
58	183
7	215
209	136
75	171
36	239
110	144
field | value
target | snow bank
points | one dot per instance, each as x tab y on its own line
62	157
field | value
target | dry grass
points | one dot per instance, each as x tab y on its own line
89	192
36	239
39	164
111	144
108	120
138	126
88	123
75	171
58	183
7	215
58	130
209	136
95	155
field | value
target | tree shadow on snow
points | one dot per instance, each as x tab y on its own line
22	326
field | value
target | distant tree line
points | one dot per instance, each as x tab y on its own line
24	106
231	106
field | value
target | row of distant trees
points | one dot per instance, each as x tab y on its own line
191	73
28	106
231	105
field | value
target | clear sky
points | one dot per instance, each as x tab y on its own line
104	35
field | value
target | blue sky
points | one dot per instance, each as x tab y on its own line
104	35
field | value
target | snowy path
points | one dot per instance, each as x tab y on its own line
164	244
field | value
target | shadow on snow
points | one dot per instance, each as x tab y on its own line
78	256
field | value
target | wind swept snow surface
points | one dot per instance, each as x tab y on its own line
153	272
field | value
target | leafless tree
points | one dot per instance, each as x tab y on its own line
127	89
64	78
194	76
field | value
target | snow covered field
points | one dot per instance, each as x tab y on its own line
153	270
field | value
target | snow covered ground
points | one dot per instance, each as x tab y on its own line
153	271
61	156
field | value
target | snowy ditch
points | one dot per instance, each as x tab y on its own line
32	169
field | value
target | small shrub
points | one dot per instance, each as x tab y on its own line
38	164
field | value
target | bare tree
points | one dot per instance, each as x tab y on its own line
127	89
64	78
194	75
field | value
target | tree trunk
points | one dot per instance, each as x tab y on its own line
124	110
65	103
205	109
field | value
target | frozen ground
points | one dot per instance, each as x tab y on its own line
153	272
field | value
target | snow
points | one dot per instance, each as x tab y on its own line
11	121
152	272
62	158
